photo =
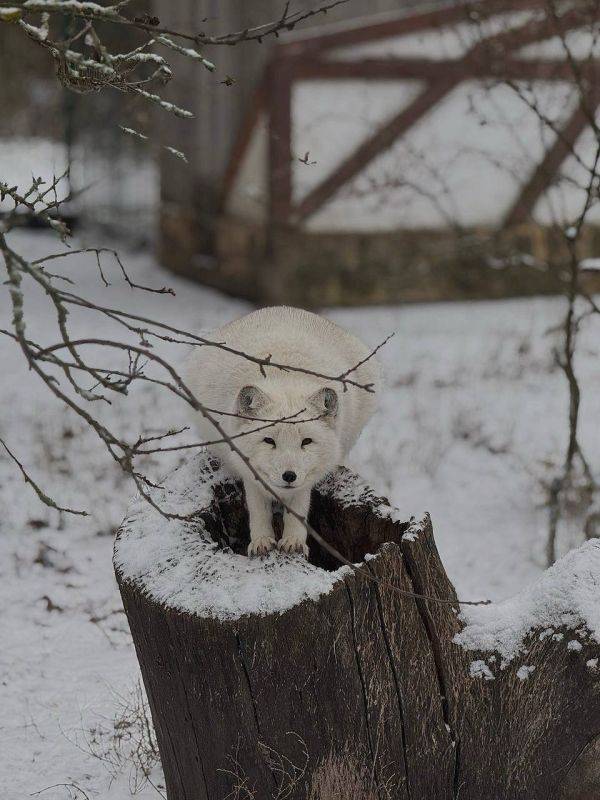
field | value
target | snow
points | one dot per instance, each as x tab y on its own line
185	51
16	159
9	14
590	264
67	664
71	5
479	669
471	426
170	107
567	595
524	672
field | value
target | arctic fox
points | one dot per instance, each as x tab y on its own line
290	456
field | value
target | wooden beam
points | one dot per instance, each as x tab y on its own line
375	69
511	39
487	56
545	173
427	69
423	69
280	135
256	107
386	26
547	69
490	53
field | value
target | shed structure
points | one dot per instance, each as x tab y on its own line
417	156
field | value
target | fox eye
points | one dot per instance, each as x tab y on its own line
305	442
268	440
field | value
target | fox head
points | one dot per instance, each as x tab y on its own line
296	453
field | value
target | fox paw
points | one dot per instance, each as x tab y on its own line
261	545
293	544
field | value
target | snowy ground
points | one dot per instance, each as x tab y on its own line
471	425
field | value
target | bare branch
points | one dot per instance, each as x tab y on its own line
48	501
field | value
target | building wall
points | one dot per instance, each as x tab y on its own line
312	266
194	190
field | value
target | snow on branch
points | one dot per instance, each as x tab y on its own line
287	21
85	62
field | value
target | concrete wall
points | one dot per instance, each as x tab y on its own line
313	270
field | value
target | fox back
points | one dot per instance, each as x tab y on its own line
331	418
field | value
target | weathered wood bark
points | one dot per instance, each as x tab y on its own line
361	693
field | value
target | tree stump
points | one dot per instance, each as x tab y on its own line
286	679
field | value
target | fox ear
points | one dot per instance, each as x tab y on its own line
325	401
250	400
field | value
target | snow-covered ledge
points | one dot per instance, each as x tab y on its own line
284	673
563	604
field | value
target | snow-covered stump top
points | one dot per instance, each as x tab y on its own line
301	671
564	603
182	565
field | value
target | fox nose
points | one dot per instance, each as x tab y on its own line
289	476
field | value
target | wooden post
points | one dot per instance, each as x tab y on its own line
279	83
282	679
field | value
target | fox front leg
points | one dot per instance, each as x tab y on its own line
260	515
294	535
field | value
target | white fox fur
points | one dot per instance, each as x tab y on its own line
290	458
